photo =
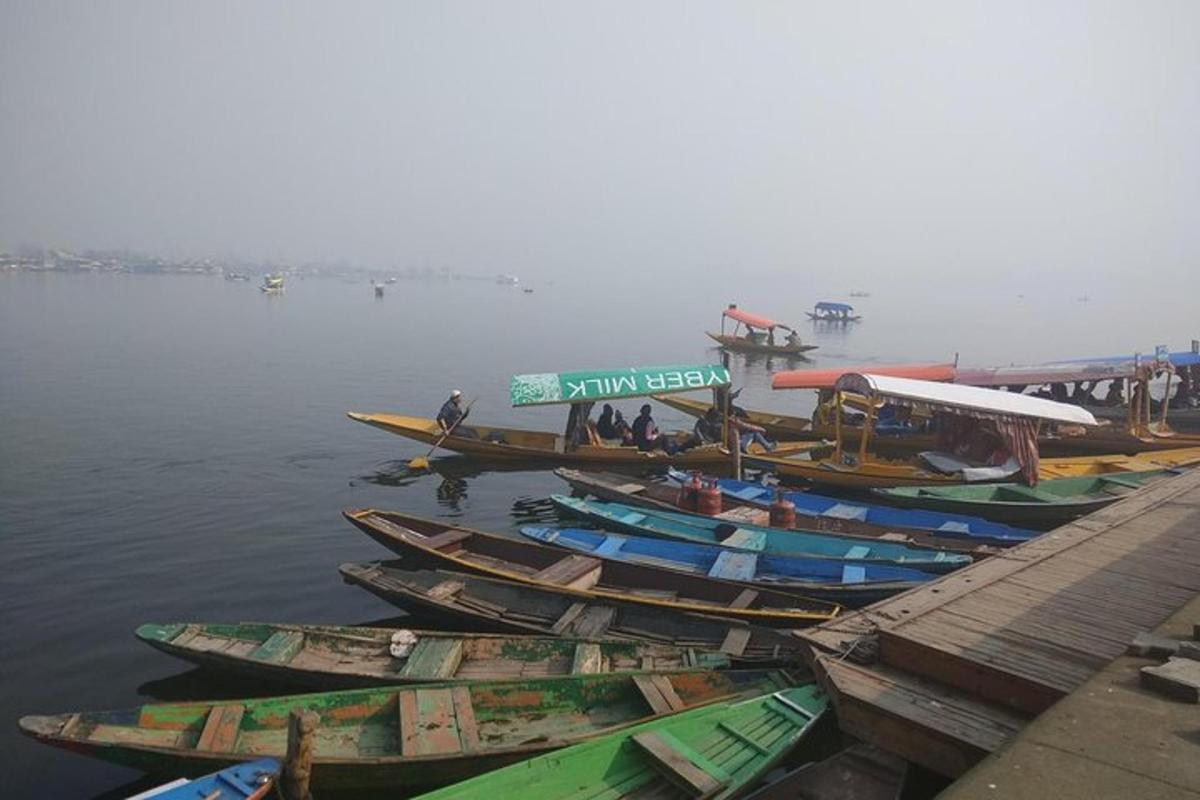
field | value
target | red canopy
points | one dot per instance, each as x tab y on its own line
753	320
826	378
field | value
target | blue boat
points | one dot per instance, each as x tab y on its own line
249	781
956	528
755	538
848	584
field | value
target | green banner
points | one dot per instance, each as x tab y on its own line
577	387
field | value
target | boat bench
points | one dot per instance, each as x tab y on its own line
436	722
445	542
221	729
433	659
572	572
680	764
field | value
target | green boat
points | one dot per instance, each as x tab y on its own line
1050	503
716	752
337	657
418	736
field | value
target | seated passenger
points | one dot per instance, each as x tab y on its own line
605	426
708	428
646	435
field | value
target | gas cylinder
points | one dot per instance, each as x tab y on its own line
708	499
783	511
689	492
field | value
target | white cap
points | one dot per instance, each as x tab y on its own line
455	393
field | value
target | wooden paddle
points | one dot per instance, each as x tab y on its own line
423	462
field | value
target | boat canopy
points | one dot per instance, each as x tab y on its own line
551	388
840	307
826	378
1185	358
752	320
1038	375
960	399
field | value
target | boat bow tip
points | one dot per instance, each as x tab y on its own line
42	725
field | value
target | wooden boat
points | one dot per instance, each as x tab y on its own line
773	541
834	581
949	529
336	657
579	444
716	752
663	496
272	284
390	738
440	545
252	780
777	426
752	341
498	605
826	311
1049	504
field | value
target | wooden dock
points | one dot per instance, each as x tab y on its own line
947	673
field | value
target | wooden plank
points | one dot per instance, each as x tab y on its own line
573	572
734	565
445	590
663	684
672	760
428	723
744	599
464	713
447	541
588	660
406	702
434	659
594	622
735	641
653	696
568	616
279	648
221	729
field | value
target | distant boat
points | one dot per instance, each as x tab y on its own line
528	291
391	280
236	276
833	312
507	280
379	290
272	284
860	294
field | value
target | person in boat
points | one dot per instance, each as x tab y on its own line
707	429
621	427
748	433
646	435
792	339
452	414
605	426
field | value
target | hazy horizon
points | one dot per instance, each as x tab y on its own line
1042	143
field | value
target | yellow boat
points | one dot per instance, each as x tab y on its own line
580	390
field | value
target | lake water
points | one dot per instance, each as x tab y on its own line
176	447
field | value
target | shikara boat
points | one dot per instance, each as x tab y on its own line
777	426
753	339
580	444
1048	504
826	311
335	657
253	780
498	605
440	545
850	585
769	541
664	496
393	738
717	752
814	509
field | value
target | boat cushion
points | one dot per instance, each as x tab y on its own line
733	565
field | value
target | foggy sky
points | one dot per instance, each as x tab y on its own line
1040	139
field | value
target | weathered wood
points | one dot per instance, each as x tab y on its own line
428	724
221	729
572	572
653	695
446	542
297	764
568	616
663	684
433	659
588	659
446	590
672	760
744	599
464	713
735	641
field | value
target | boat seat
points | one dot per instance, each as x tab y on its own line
610	545
749	492
680	764
572	572
746	540
858	551
433	659
221	729
631	518
951	526
589	659
445	542
279	648
735	641
659	693
445	590
854	574
734	565
847	511
745	599
436	722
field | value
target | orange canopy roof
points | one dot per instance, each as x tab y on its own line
826	378
753	320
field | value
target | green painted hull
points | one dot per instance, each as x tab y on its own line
420	736
717	752
1052	502
338	657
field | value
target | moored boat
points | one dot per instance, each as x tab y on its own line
419	736
1050	503
759	335
253	780
499	605
717	752
772	541
827	311
328	656
852	585
441	545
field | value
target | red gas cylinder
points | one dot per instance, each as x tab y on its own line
783	511
708	499
689	492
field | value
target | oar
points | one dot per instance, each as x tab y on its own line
423	462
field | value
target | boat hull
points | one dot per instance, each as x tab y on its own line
741	345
